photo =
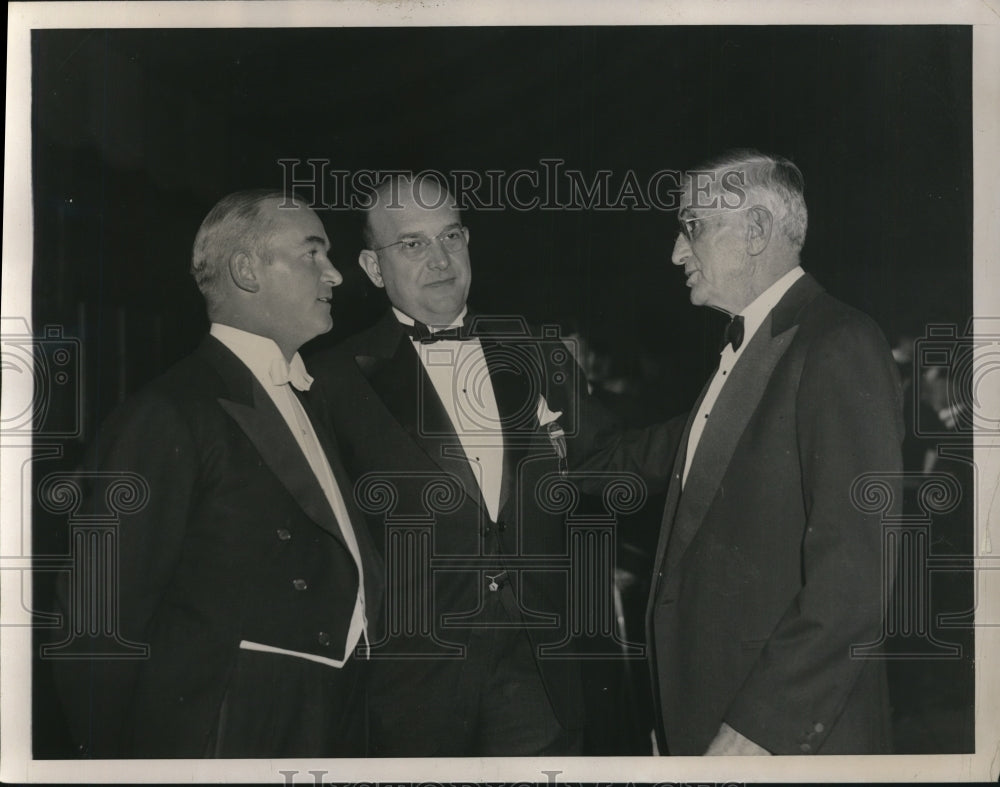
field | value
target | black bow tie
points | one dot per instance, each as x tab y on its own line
421	333
733	334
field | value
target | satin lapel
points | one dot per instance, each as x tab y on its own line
732	411
674	494
249	405
408	393
372	566
267	430
512	390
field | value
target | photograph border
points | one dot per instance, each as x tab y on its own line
16	763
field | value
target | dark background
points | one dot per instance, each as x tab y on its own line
137	133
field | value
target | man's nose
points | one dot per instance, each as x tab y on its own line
682	250
331	275
437	255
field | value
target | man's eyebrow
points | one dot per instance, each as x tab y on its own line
315	239
421	234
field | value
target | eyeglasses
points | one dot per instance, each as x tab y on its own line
687	223
416	247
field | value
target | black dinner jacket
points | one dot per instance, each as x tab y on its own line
392	426
769	568
237	544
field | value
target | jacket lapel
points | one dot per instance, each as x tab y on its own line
512	389
399	379
250	406
674	491
737	402
371	565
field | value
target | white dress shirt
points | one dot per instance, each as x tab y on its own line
753	317
459	374
277	376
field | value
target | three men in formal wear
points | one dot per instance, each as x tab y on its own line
432	395
248	573
768	568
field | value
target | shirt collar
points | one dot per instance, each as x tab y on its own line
263	357
406	319
755	314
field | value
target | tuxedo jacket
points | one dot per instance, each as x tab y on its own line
392	426
769	566
236	548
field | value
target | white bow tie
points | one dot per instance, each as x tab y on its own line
295	373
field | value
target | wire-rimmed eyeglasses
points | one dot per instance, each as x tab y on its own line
417	246
687	223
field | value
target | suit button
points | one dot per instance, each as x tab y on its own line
323	638
299	584
501	526
487	530
284	535
805	748
818	727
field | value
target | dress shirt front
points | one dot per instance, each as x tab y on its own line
277	376
753	317
460	376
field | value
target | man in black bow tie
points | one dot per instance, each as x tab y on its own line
432	394
767	570
248	574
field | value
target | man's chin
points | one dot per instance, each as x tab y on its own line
446	311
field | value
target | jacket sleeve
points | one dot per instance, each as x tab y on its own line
849	422
599	443
149	438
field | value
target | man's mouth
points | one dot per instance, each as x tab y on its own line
324	299
440	283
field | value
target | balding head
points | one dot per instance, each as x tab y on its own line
417	249
400	192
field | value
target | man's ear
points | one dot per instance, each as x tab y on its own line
759	229
243	273
368	260
465	231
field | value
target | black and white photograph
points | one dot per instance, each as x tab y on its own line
500	392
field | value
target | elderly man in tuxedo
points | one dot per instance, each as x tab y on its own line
432	392
248	574
767	572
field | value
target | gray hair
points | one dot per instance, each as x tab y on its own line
774	180
235	224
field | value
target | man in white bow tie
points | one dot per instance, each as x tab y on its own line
247	574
